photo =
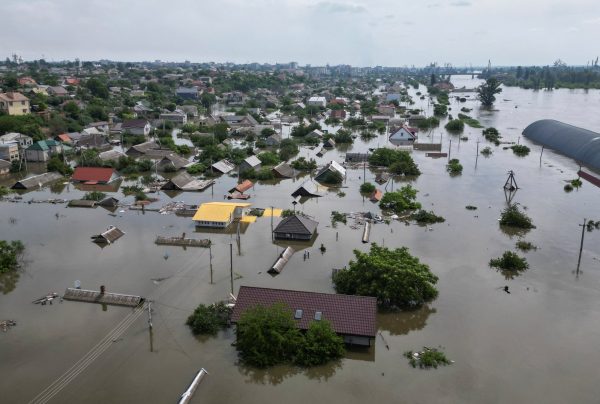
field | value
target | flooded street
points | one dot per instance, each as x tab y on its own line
536	344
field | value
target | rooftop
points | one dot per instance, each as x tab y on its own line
217	211
348	315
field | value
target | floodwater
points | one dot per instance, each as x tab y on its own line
536	344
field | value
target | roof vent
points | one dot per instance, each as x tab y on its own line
298	314
318	315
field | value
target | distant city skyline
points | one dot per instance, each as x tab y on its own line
359	33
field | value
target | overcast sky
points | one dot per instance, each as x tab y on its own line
360	32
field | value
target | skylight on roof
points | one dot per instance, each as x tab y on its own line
318	315
298	314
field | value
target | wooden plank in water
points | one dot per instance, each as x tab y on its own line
93	296
184	242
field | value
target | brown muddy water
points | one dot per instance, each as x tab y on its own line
537	344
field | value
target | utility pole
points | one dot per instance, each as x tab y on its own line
210	259
449	149
272	235
477	155
581	244
231	265
542	152
150	314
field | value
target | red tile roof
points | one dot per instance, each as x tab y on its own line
348	315
244	186
90	174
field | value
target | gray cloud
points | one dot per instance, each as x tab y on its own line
333	7
461	3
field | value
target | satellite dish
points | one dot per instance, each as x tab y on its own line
77	284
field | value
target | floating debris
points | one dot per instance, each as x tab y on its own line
427	358
6	324
46	299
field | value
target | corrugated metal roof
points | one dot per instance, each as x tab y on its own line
348	315
37	180
284	170
580	144
252	161
217	211
223	166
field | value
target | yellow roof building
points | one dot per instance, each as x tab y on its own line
218	214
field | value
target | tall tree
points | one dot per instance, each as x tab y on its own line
487	91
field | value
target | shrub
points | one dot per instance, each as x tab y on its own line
399	162
513	217
196	168
440	110
320	345
486	151
343	136
568	187
140	196
337	217
57	165
394	277
427	358
209	319
525	245
424	217
10	255
268	158
492	135
576	183
509	262
302	164
265	173
268	336
520	150
401	200
367	188
94	196
454	167
455	125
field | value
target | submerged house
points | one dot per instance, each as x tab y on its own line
94	175
249	163
403	134
172	162
223	166
185	182
307	189
109	236
332	173
219	214
37	181
242	187
283	170
295	227
351	317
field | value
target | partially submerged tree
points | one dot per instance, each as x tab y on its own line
10	255
401	200
486	93
394	277
209	319
513	217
